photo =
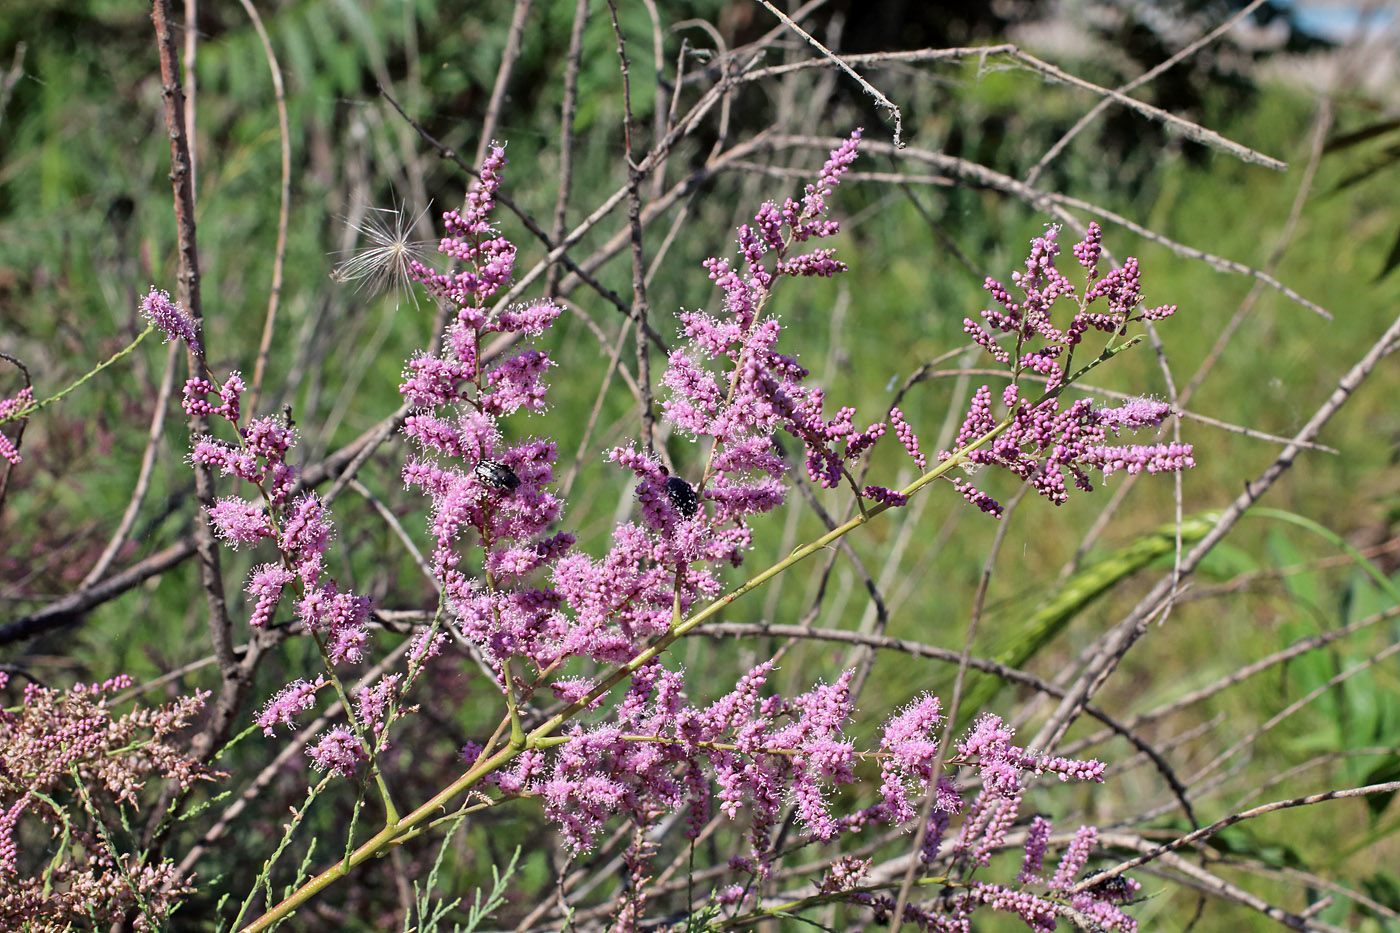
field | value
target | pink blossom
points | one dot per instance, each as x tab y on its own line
239	521
337	751
171	318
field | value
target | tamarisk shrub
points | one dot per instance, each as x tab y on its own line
543	615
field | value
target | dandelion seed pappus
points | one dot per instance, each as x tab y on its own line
496	475
384	263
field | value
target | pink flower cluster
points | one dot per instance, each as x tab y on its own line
301	530
605	608
171	319
301	527
763	753
659	754
1004	771
729	386
1047	442
11	408
489	259
526	598
536	598
486	491
764	391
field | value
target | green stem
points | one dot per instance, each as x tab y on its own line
517	729
391	813
124	352
381	840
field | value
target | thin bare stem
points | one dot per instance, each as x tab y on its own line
634	224
1206	832
567	112
279	255
509	56
235	681
1159	69
143	476
881	101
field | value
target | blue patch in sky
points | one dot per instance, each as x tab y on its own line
1339	22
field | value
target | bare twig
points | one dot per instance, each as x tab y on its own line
1206	832
1322	122
11	77
235	681
1110	649
279	255
566	137
1159	69
509	55
1179	869
881	101
1248	739
143	476
634	224
1040	200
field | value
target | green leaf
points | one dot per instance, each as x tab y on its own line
1303	587
1364	134
1079	592
1385	770
1328	534
1392	259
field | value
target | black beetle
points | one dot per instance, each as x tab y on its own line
1114	888
497	475
682	496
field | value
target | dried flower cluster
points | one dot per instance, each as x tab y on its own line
65	758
